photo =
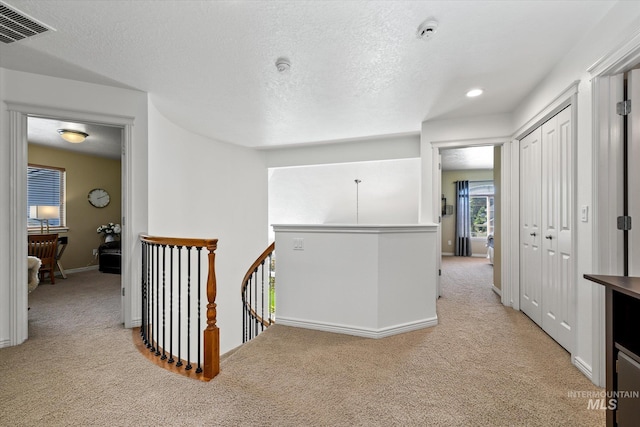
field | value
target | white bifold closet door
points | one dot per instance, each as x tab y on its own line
530	225
547	277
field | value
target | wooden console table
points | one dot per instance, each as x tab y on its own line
622	347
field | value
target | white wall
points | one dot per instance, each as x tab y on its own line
620	24
67	97
203	188
365	149
323	194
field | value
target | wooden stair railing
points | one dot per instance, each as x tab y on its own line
171	302
255	317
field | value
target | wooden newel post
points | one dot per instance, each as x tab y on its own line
211	333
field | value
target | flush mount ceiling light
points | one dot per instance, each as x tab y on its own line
73	136
283	64
474	92
427	29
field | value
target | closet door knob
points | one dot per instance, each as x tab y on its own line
548	237
532	234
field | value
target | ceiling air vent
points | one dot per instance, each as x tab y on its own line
15	25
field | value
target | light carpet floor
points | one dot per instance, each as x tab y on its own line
483	365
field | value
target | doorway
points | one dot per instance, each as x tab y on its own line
480	167
18	116
93	163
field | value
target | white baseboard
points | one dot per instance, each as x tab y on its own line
77	270
356	330
496	290
472	255
5	343
583	367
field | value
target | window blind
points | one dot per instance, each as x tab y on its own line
45	186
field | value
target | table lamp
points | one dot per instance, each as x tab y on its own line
44	214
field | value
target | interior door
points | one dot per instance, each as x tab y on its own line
633	171
530	212
557	225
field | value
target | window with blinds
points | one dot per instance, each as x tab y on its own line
46	187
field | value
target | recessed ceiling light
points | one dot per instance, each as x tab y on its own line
474	92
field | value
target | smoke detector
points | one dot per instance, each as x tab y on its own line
427	29
283	64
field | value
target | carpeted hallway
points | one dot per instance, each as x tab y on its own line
484	364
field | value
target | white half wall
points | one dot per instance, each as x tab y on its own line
364	280
203	188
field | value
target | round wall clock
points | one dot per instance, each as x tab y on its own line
99	197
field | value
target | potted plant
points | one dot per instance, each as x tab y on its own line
110	231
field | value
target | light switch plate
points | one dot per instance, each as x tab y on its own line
584	213
298	244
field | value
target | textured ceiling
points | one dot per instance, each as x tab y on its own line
357	67
103	141
467	158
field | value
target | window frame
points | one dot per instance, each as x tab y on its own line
489	197
62	226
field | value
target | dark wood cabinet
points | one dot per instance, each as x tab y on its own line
622	348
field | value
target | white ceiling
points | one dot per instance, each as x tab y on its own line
103	141
467	158
357	67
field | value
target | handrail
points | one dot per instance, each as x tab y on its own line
251	317
163	275
210	244
245	280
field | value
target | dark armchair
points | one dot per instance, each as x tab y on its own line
109	256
